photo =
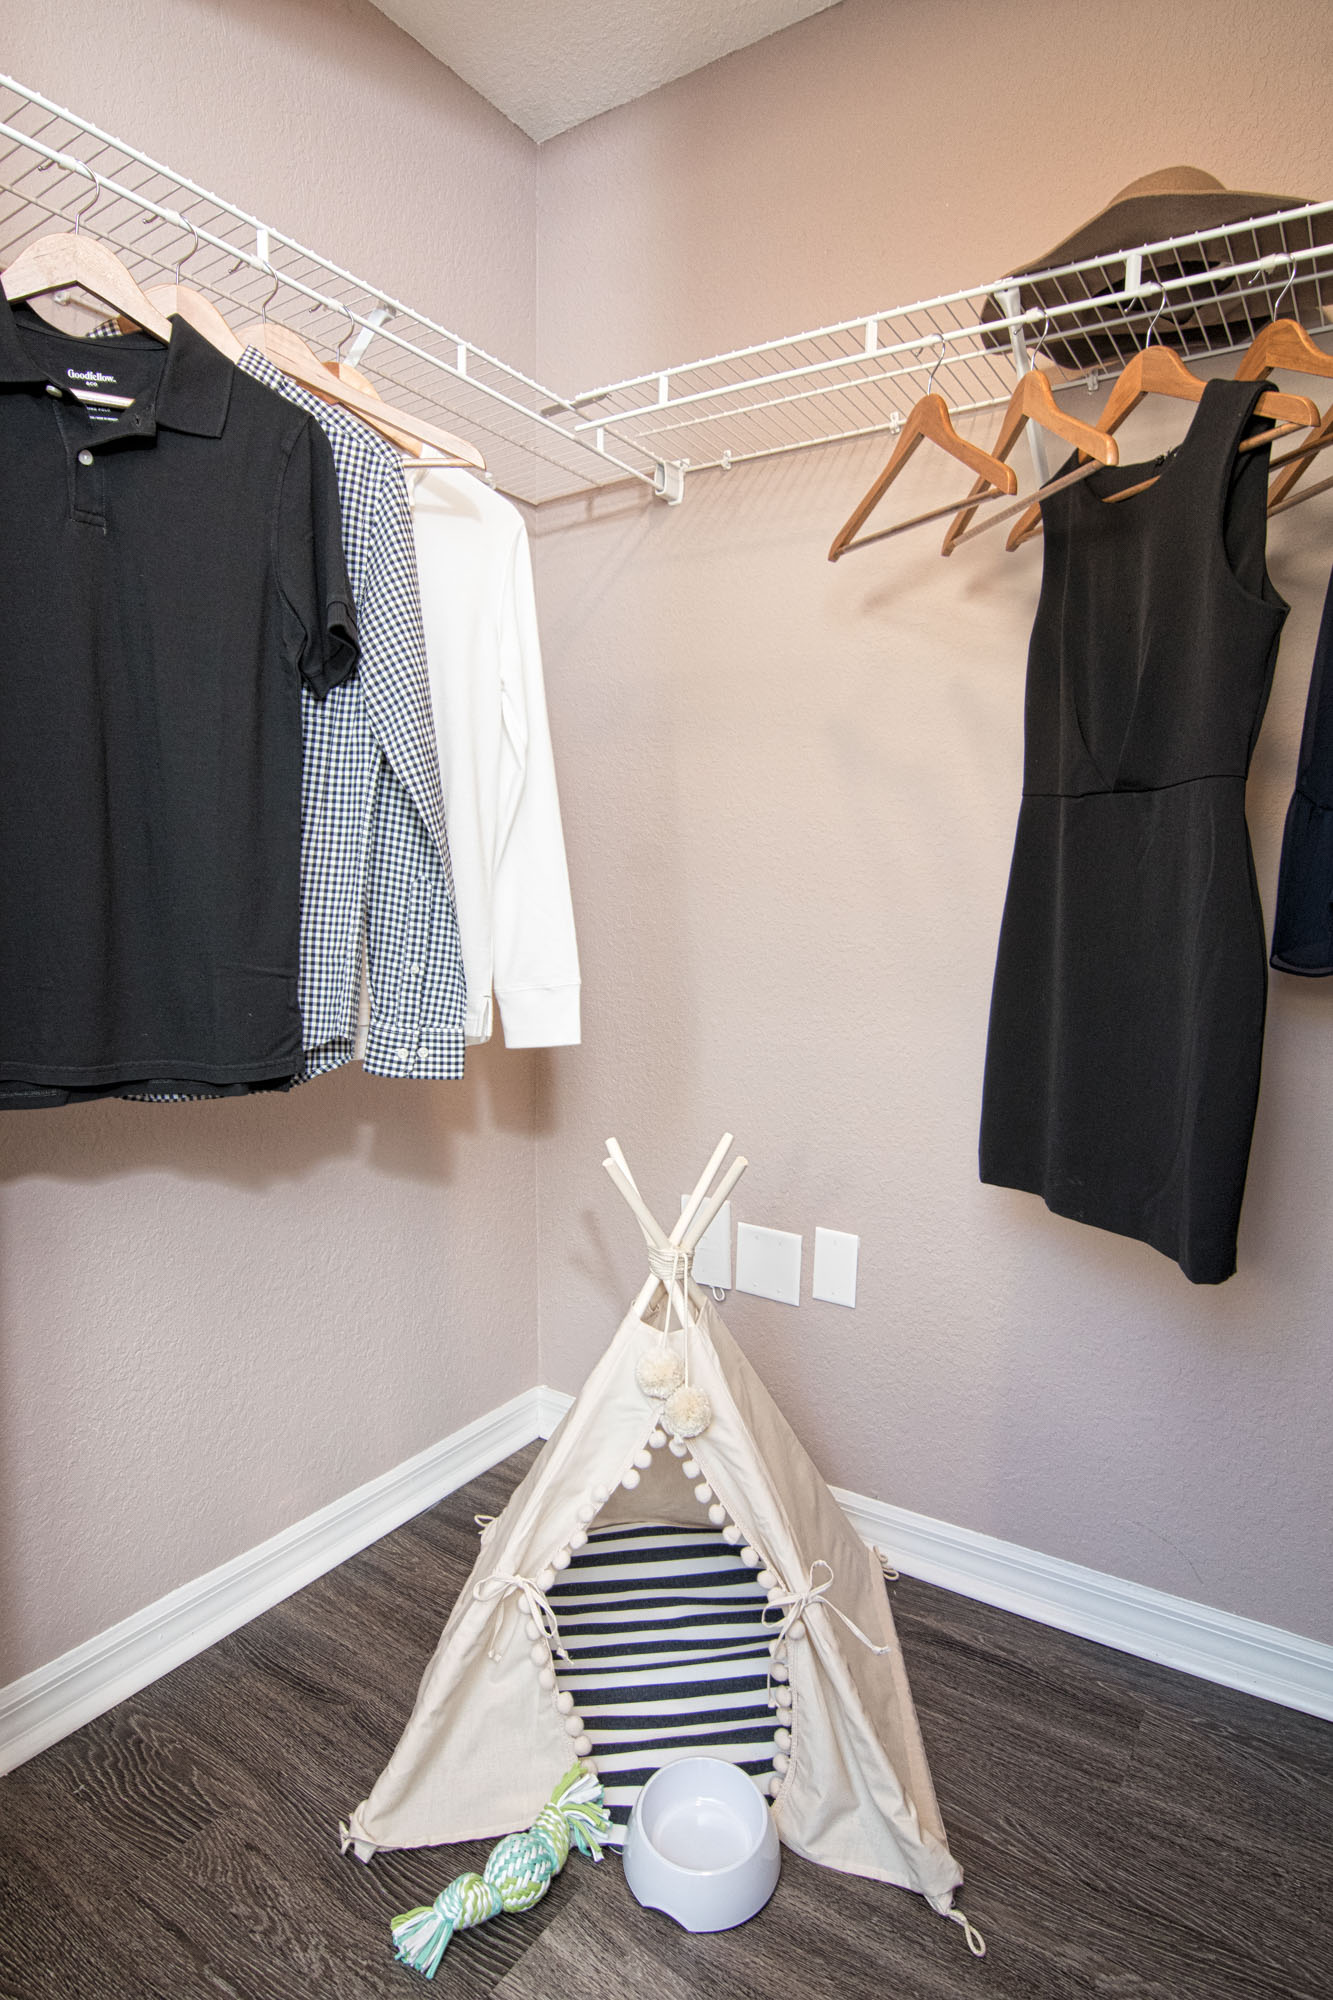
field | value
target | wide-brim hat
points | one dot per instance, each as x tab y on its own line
1212	312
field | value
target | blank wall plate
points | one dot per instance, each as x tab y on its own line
712	1253
768	1263
834	1275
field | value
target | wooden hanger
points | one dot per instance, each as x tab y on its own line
1033	402
177	301
1159	371
345	372
71	259
1283	343
296	358
927	419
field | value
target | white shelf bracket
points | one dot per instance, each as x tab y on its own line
669	481
356	347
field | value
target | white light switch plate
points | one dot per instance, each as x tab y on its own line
768	1263
834	1276
712	1253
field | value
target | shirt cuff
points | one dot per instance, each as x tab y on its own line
540	1017
435	1053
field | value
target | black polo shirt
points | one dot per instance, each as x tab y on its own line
169	574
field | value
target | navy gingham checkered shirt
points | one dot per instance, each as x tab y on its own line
374	854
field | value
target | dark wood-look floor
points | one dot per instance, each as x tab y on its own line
1126	1832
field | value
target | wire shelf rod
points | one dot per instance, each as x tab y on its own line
1305	213
1038	317
176	220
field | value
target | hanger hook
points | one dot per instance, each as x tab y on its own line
193	251
88	206
935	365
351	329
1152	323
1040	342
1289	286
277	287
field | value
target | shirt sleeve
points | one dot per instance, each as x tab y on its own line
536	973
418	986
320	620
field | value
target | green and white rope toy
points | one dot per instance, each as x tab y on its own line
517	1874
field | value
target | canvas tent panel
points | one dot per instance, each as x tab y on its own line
486	1738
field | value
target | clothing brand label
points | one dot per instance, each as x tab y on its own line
91	377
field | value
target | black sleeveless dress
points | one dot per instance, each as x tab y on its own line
1126	1026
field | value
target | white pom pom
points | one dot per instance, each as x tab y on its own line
657	1438
775	1593
532	1628
537	1655
796	1630
766	1579
561	1558
547	1678
731	1533
780	1762
703	1493
599	1495
565	1702
658	1372
687	1412
587	1512
779	1672
717	1513
772	1785
779	1649
690	1467
583	1748
578	1540
675	1447
546	1579
750	1557
643	1459
573	1725
782	1737
784	1697
630	1480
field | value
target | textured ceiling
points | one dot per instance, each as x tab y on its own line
549	64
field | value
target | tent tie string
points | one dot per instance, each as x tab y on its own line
795	1604
976	1943
498	1590
671	1263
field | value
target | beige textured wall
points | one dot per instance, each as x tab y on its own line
790	794
789	799
216	1318
323	119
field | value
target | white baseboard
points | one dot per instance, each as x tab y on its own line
47	1704
1174	1631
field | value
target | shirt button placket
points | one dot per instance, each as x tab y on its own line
89	490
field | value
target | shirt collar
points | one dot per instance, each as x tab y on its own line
193	395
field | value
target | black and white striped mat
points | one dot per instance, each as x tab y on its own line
667	1655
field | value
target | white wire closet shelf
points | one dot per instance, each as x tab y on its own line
1204	293
56	169
1207	293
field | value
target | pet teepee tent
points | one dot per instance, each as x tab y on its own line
674	1425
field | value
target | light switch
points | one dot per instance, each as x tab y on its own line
712	1253
835	1267
768	1263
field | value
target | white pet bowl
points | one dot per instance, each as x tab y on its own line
701	1845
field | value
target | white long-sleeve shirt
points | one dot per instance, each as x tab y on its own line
502	810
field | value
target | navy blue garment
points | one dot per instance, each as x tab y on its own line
1303	921
1127	1015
